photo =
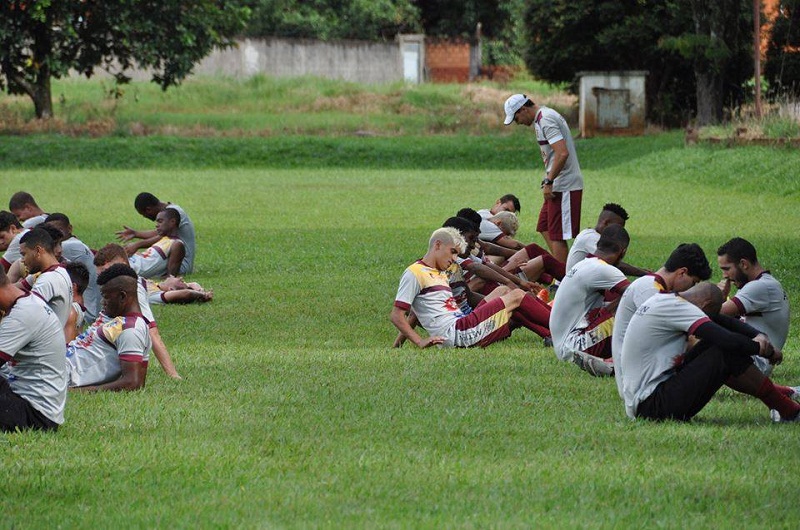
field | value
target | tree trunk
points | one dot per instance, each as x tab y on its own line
709	97
42	95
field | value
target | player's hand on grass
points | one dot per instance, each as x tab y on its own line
126	234
430	341
399	341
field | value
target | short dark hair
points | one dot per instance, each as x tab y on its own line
470	215
616	209
528	101
738	248
172	213
54	232
513	198
79	275
613	239
461	224
114	271
57	217
691	256
7	220
145	200
38	237
20	199
108	253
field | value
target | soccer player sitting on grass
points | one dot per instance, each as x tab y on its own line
79	275
581	320
425	288
149	206
10	232
23	205
165	256
48	278
532	313
686	266
112	353
114	254
586	242
33	387
75	250
661	380
760	300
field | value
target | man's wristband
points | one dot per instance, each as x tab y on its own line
547	182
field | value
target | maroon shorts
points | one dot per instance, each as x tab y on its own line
488	323
561	216
595	339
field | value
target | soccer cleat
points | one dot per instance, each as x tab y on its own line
594	365
776	417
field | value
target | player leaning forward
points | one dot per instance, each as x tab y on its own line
425	287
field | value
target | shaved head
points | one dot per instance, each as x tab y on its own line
706	296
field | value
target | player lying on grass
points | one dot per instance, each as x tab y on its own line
760	300
425	288
112	354
661	380
175	290
165	256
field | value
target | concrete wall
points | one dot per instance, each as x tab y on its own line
625	89
358	61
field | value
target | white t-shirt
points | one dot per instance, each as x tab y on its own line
655	345
34	221
32	344
581	290
765	306
74	250
94	356
551	127
489	230
55	287
427	291
585	243
635	295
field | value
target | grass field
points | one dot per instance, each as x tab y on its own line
295	412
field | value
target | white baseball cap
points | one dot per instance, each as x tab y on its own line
513	104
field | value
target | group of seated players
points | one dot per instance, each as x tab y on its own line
73	317
670	338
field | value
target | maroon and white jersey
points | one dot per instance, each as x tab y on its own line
153	261
764	305
582	289
551	127
54	286
585	243
32	344
427	290
655	345
634	296
94	356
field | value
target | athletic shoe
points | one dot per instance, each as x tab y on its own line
776	417
594	365
548	342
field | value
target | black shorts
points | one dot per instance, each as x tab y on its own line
17	414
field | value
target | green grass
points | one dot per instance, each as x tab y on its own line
262	106
294	411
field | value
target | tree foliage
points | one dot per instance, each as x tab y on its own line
782	66
42	39
333	19
661	37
